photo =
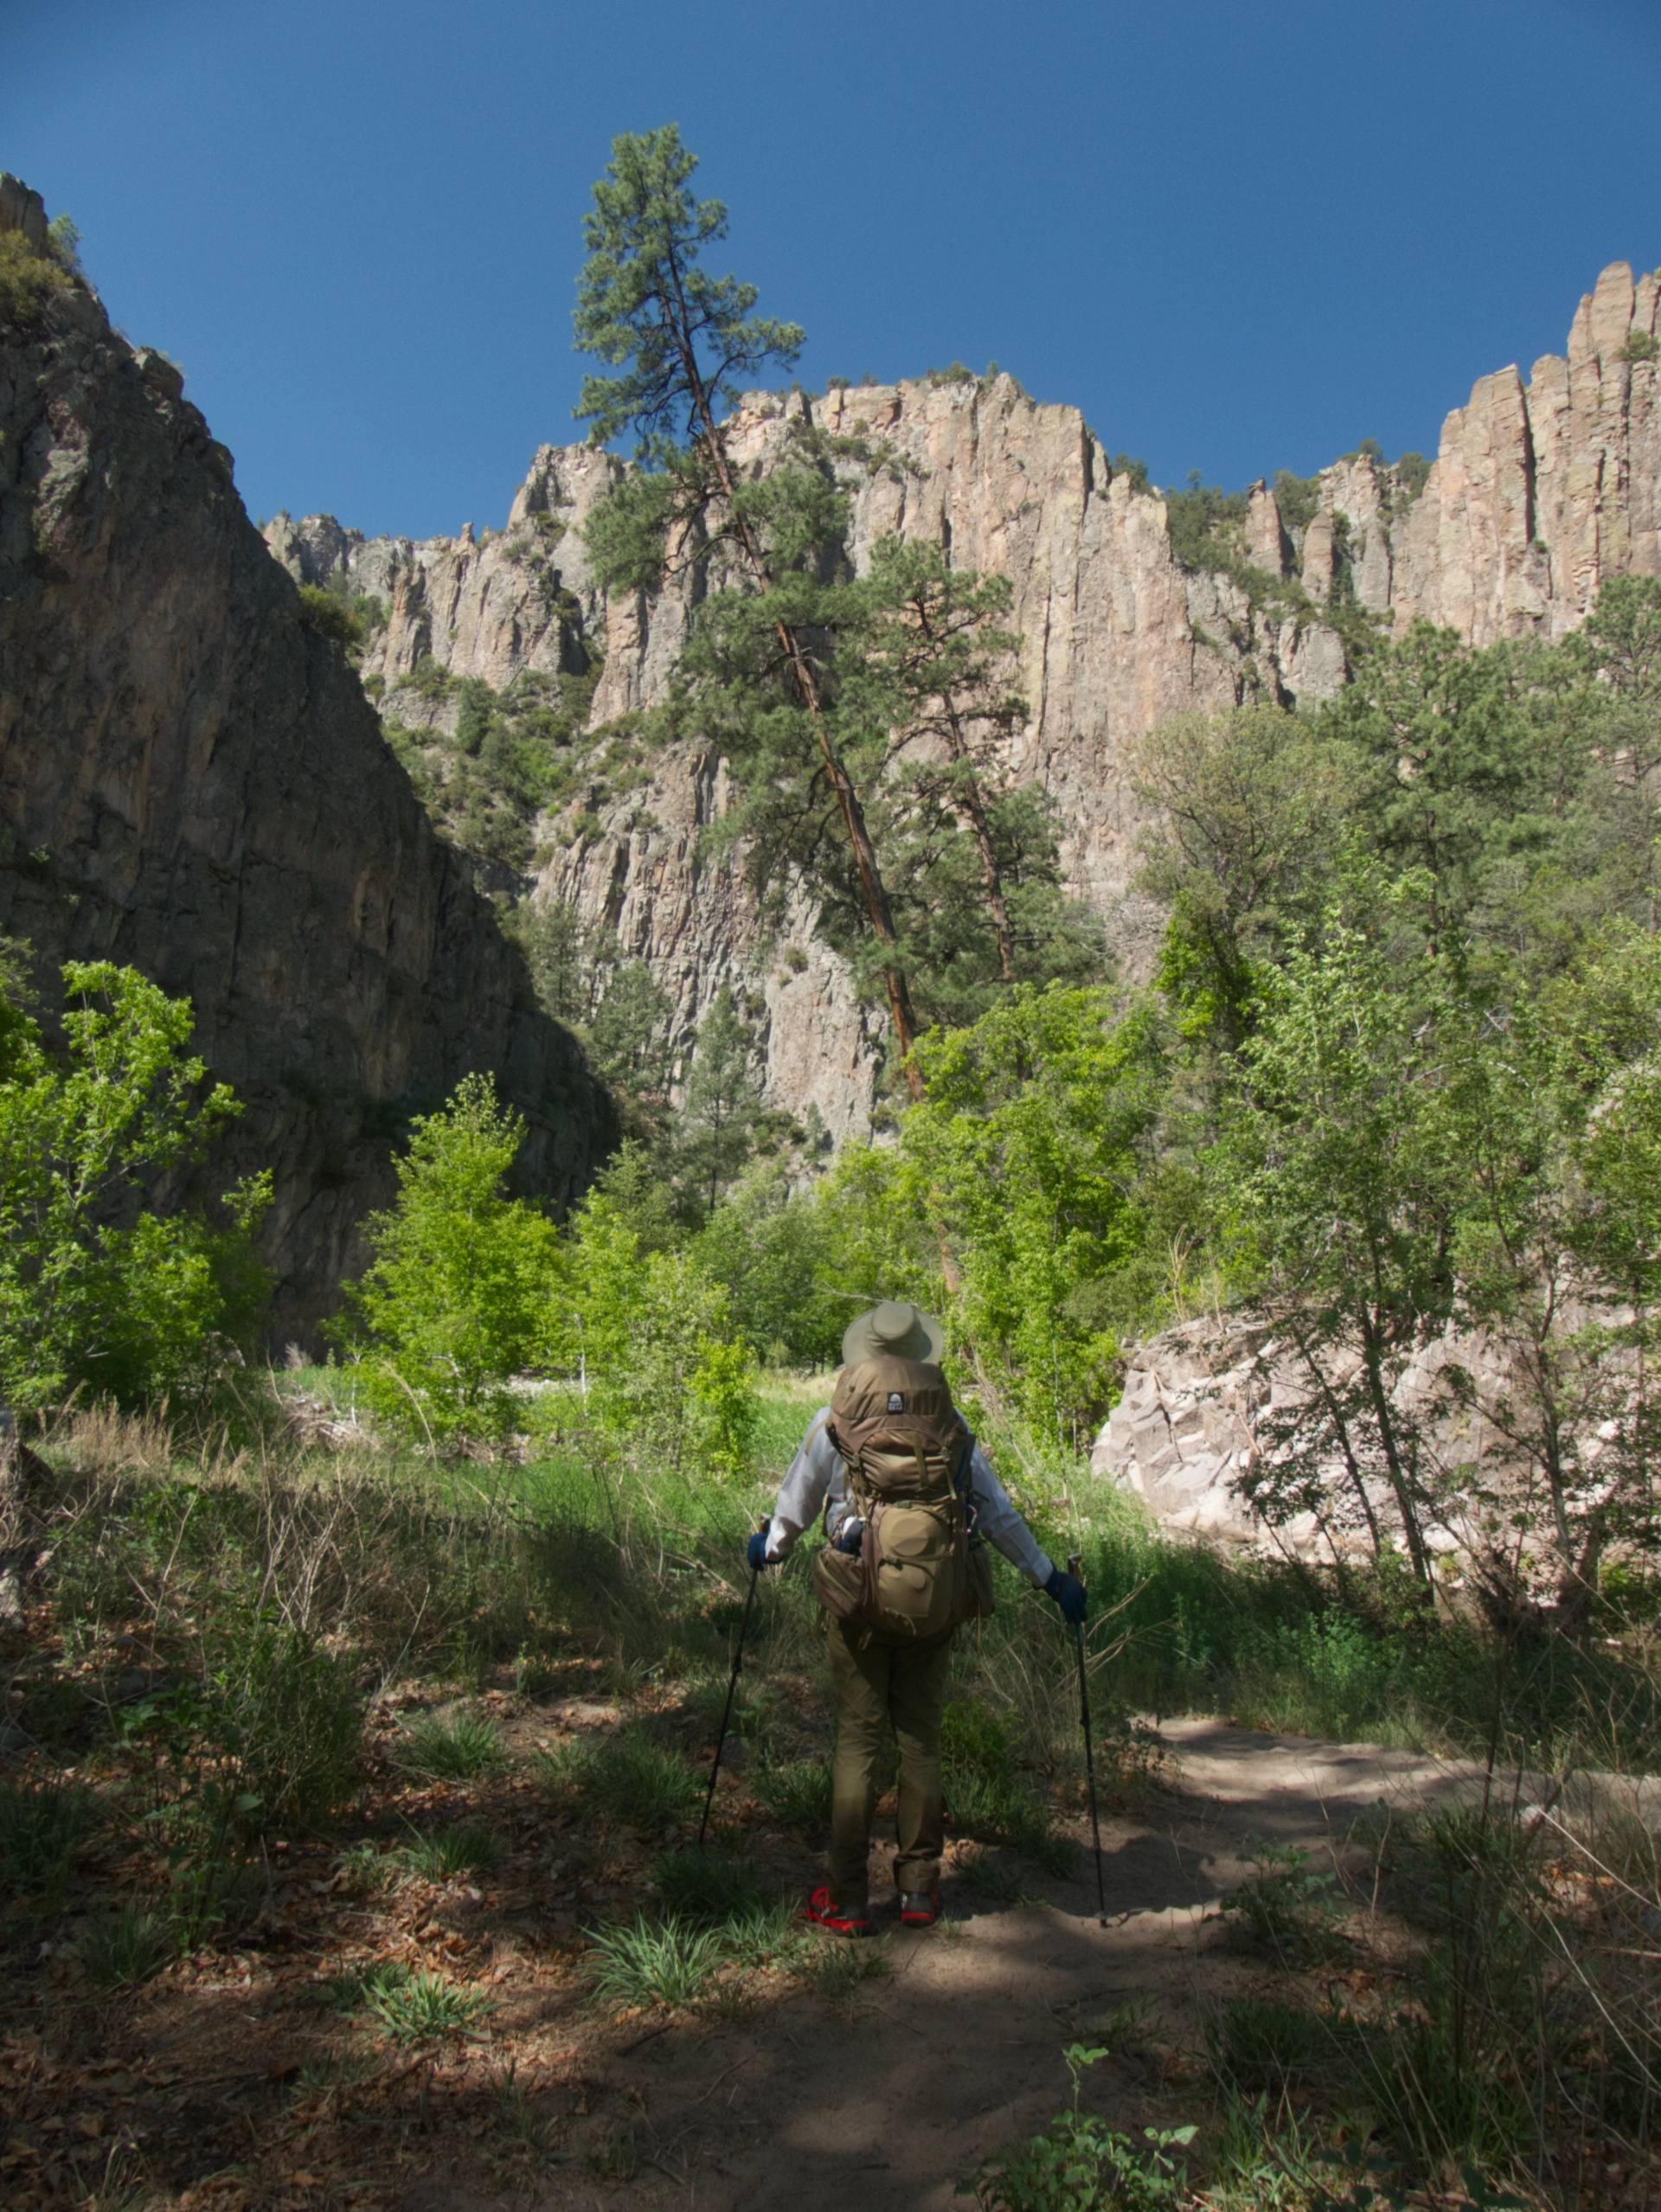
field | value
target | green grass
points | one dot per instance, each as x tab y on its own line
655	1962
840	1971
629	1778
126	1948
705	1882
419	2007
797	1793
468	1848
41	1825
451	1745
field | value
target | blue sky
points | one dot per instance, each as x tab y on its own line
1240	235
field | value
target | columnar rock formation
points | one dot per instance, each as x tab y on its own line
191	780
1539	491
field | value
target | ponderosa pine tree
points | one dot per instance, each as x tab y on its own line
722	1103
682	339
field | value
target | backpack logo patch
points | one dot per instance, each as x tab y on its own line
896	1402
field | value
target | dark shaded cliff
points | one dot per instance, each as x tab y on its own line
192	781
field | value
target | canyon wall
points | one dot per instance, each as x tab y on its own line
1538	491
192	781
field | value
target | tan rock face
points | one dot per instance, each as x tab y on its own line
192	781
1539	491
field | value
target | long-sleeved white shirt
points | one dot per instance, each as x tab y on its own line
818	1476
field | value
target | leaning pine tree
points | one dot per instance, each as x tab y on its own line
682	338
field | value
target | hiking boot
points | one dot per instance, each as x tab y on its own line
825	1914
919	1907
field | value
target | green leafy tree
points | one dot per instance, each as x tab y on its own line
662	1374
770	1247
722	1103
1025	1158
457	1296
96	1286
1343	1202
1250	806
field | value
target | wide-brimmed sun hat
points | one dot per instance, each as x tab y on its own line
893	1331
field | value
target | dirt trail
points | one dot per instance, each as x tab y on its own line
957	2050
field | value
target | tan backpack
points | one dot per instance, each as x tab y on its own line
906	1451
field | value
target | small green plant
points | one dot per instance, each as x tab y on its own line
629	1778
1079	2165
534	2136
365	1869
125	1949
40	1826
797	1793
655	1962
1641	345
985	1790
616	2158
469	1849
416	2008
841	1974
766	1935
1285	1907
708	1883
1260	2044
451	1745
992	1878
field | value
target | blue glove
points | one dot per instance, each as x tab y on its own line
755	1552
849	1537
1068	1594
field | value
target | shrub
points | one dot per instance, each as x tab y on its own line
451	1745
329	616
93	1287
455	1299
1298	497
1204	522
655	1962
28	281
1641	345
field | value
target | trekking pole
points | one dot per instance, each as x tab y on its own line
732	1691
1075	1568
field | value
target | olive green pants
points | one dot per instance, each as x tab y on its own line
881	1684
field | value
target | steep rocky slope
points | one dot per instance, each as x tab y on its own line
192	780
1538	491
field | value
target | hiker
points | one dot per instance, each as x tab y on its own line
907	1499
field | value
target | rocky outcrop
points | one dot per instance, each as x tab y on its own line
1207	1403
1538	491
191	780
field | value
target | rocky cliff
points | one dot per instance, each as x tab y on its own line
192	780
1539	491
